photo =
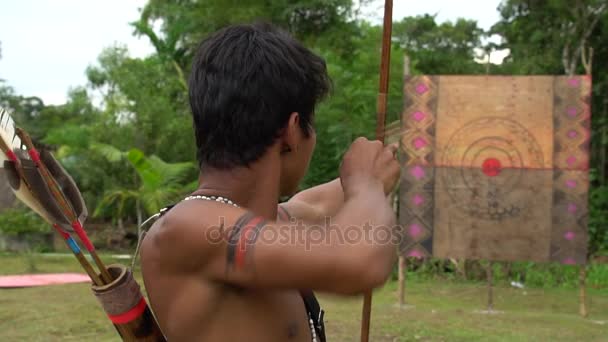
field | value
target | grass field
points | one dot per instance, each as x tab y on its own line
438	310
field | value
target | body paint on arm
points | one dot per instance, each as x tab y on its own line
242	239
283	214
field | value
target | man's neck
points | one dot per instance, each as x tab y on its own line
255	187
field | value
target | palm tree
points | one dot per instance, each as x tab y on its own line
158	183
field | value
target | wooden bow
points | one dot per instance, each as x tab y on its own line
381	105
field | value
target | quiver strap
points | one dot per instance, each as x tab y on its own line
314	312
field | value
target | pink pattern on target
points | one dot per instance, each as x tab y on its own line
415	230
572	208
571	160
569	261
572	134
418	116
569	236
572	112
415	254
571	183
574	82
419	143
417	172
418	199
421	88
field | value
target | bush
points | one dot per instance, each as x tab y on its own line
21	230
531	274
19	221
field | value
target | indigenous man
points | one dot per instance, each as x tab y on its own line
231	264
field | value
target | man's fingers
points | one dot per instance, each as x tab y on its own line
391	150
391	176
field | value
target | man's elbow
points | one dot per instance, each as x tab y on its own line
368	273
376	273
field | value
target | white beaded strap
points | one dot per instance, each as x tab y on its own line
219	199
313	332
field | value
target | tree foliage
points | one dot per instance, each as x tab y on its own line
143	105
553	37
446	48
157	183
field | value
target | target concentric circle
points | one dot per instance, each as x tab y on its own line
484	162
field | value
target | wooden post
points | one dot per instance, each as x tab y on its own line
587	61
402	272
490	278
582	296
490	269
402	261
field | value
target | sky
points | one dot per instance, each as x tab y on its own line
46	45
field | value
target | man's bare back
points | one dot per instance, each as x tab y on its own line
200	309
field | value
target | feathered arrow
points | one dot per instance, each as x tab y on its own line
43	185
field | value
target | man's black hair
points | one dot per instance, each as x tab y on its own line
245	82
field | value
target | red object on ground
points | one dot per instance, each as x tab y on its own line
31	280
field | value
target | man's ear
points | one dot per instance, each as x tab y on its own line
292	133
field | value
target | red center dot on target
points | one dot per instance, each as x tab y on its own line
491	167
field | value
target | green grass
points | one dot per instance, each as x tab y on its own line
440	310
449	311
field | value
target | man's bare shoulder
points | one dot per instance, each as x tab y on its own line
188	233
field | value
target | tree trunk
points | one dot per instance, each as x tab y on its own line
139	218
121	226
603	156
508	267
489	54
603	151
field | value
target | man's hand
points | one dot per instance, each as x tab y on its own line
369	163
325	200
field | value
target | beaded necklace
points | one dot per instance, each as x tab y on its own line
212	198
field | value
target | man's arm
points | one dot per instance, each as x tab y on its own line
319	202
315	204
256	253
356	256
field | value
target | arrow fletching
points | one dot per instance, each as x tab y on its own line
27	183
